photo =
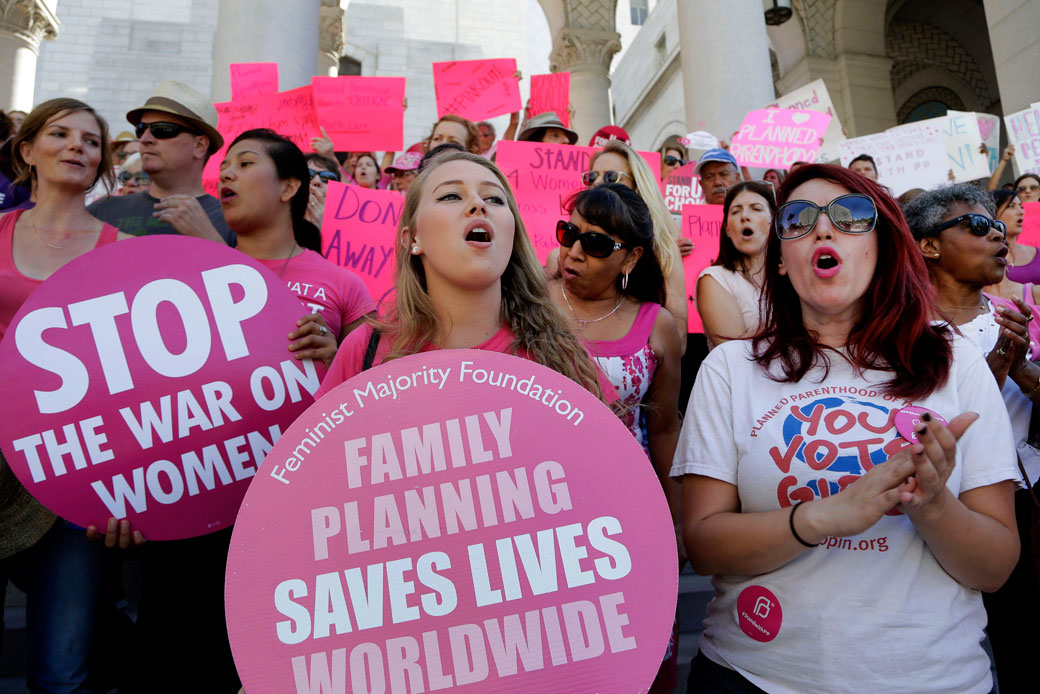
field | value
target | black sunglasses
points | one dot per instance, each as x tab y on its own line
593	243
674	161
589	177
326	176
978	224
854	213
162	130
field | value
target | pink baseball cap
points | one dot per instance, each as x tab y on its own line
608	133
409	161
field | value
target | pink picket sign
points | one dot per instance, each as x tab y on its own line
776	138
476	89
154	390
358	232
551	92
701	224
681	187
543	177
1030	235
361	113
459	520
249	80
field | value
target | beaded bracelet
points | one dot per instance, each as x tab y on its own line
790	520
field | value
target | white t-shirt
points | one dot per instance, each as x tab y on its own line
872	612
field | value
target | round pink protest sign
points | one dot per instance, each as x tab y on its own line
147	380
458	520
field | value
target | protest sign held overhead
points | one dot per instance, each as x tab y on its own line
1030	235
775	138
543	176
963	146
460	520
358	232
908	156
249	80
1023	130
476	89
989	130
551	92
154	391
814	97
701	224
361	113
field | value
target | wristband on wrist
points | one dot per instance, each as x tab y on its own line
790	520
1032	393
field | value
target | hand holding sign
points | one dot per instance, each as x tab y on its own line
476	89
423	539
154	391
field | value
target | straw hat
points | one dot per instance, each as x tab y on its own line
181	100
536	124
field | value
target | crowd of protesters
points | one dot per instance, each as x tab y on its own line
822	284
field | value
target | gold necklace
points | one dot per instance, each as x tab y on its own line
37	233
583	322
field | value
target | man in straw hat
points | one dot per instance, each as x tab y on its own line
177	131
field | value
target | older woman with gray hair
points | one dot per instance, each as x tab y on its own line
965	249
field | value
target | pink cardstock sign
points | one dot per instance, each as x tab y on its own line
153	391
775	138
289	113
551	92
701	224
1030	224
361	113
681	187
358	232
253	79
476	89
458	520
543	176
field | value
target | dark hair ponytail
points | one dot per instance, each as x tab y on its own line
290	162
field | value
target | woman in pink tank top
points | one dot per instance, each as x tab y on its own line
612	290
61	152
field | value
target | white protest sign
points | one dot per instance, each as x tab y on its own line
1023	130
908	156
814	97
989	128
963	142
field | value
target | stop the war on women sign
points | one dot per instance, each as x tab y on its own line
153	390
460	520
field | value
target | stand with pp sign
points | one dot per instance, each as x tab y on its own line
458	520
153	391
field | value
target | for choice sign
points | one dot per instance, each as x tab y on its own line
453	520
151	390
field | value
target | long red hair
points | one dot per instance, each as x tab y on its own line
894	332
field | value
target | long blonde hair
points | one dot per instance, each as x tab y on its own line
538	329
646	185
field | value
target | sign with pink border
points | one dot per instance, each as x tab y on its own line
458	520
358	232
151	390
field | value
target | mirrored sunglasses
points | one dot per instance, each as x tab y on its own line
854	213
325	176
589	178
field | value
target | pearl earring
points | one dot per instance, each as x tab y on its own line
415	249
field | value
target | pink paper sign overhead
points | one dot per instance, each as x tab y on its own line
775	138
476	89
411	533
551	92
153	391
701	224
289	113
1030	224
249	80
681	187
358	232
543	176
361	113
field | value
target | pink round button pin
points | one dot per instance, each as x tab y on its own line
908	419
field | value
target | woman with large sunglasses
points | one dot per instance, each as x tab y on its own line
322	171
611	291
965	250
619	163
847	474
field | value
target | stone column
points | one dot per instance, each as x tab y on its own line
332	39
725	63
262	32
23	25
1015	41
586	54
